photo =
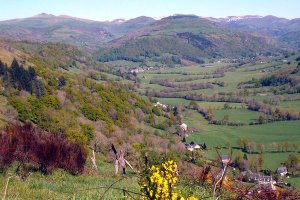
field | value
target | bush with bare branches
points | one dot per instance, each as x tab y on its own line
26	144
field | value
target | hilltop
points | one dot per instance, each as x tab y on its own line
199	37
190	38
283	30
80	32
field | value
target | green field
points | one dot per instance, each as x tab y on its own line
237	115
90	185
61	185
219	135
204	104
293	105
216	135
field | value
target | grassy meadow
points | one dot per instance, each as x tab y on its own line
222	135
90	185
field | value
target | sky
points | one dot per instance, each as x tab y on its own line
102	10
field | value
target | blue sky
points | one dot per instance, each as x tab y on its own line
102	10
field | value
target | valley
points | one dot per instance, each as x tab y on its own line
182	91
220	135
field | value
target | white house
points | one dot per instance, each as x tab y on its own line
183	127
136	70
262	180
192	146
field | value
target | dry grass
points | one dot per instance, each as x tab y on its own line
7	54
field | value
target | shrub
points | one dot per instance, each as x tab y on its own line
88	131
23	108
76	136
94	114
26	144
159	182
51	101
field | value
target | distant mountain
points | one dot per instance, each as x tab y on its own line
284	30
185	37
171	39
81	32
122	27
50	28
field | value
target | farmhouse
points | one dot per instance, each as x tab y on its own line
183	127
265	181
192	146
282	171
225	159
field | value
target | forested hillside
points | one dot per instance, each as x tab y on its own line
189	38
56	95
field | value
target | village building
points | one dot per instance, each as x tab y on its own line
282	171
262	180
192	146
183	127
225	159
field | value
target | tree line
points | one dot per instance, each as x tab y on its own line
16	76
277	114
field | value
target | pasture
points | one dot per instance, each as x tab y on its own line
90	185
221	135
237	115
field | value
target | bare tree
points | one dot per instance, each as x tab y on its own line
219	178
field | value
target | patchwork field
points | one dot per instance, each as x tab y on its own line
222	136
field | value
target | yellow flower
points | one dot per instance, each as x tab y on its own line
161	182
192	198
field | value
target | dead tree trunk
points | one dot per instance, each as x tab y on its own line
222	174
93	158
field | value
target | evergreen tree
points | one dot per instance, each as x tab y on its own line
61	81
175	111
38	88
204	146
2	68
14	64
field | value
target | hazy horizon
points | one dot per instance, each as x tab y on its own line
106	10
156	18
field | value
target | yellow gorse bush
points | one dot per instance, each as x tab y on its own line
160	181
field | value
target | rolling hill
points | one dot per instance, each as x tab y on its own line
174	39
186	37
80	32
284	30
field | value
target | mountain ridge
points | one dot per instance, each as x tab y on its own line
236	31
185	37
